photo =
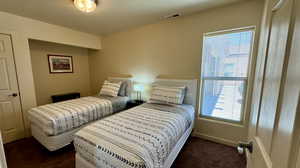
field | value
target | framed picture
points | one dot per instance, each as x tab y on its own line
60	64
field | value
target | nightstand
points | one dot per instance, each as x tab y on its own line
134	103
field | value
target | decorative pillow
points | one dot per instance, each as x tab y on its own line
110	89
167	94
122	91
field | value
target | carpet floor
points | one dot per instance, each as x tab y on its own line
197	153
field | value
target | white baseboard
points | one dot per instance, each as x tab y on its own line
215	139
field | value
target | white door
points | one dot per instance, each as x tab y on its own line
276	90
11	121
2	155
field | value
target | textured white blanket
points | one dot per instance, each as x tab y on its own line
60	117
141	137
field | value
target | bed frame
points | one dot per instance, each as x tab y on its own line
190	98
53	143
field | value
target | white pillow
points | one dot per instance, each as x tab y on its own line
167	94
110	89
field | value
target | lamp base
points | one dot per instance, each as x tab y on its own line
138	101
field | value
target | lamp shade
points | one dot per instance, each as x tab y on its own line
138	87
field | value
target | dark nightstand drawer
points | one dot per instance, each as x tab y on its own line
134	103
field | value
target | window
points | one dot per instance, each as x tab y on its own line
224	74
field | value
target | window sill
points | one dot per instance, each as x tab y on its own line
220	121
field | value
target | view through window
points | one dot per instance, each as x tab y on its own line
224	74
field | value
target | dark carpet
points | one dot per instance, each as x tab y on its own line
197	153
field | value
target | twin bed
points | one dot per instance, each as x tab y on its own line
54	125
147	136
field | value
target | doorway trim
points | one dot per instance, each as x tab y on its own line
24	74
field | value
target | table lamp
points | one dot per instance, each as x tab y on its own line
138	88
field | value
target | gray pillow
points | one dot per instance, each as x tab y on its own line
122	91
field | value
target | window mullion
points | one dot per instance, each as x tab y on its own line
226	78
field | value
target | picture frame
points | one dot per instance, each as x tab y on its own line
60	63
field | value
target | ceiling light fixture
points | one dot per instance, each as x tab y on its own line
86	5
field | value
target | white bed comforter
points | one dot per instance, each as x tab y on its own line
60	117
141	137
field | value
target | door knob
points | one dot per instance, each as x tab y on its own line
243	146
13	95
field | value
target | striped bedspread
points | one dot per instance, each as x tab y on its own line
60	117
141	137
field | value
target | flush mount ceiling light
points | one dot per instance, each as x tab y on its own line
86	5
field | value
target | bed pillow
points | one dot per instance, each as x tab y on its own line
122	90
110	88
167	94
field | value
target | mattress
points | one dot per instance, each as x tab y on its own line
57	118
143	136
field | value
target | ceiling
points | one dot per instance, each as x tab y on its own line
110	16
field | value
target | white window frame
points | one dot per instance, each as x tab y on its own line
243	79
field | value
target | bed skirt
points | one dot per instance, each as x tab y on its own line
53	143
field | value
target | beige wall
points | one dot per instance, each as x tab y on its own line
21	29
173	47
47	84
169	47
